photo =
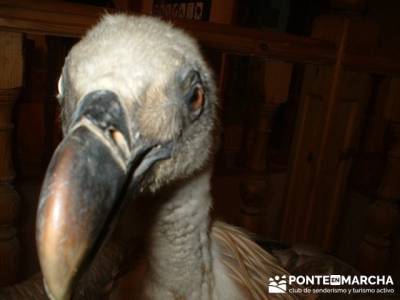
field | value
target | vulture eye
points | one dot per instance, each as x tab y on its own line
196	101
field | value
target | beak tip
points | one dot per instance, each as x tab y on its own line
63	294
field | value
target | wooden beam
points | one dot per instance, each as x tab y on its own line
129	5
268	44
49	18
378	64
73	20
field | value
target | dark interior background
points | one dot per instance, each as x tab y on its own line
246	194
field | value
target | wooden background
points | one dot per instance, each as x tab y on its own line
310	149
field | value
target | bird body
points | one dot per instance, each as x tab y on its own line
191	256
139	111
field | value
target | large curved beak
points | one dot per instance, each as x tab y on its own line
91	171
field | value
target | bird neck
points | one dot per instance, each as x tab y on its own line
180	260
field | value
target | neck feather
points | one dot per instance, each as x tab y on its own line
180	261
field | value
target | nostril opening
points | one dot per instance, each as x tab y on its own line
119	140
117	136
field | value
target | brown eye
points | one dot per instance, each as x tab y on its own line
196	101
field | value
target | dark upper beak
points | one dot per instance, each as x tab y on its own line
91	171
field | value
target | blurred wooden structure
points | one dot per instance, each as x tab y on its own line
10	86
340	61
377	251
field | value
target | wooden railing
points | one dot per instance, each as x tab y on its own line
327	58
72	20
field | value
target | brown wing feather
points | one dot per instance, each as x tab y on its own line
248	264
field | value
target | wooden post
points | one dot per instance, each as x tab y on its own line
274	86
232	136
30	112
10	84
328	122
383	216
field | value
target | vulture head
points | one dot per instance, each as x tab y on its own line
138	113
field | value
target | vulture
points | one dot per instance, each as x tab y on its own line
139	120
